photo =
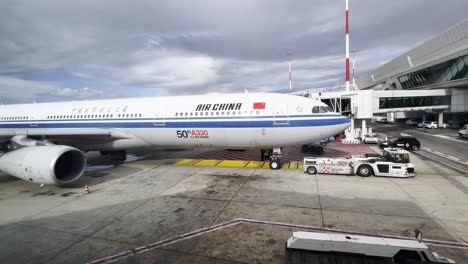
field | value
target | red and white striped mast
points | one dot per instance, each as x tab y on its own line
354	82
290	80
347	47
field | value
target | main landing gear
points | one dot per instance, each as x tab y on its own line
273	156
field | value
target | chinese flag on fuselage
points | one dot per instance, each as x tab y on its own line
259	105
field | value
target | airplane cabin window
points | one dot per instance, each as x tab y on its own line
140	115
222	113
315	109
228	113
176	114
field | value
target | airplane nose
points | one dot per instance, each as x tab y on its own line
344	126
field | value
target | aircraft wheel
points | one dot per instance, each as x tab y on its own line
275	164
415	147
364	171
312	170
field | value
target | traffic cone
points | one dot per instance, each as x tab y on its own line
86	189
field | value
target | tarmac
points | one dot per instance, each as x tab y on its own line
153	211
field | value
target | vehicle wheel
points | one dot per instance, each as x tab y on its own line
311	170
275	164
305	149
364	171
415	147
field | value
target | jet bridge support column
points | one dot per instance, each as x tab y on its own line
363	128
441	119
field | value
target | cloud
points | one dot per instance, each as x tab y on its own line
76	93
194	47
168	71
16	90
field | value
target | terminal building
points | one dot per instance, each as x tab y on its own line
428	82
438	64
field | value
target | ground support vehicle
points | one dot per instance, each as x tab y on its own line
333	248
393	163
406	142
463	132
371	138
431	124
411	122
422	123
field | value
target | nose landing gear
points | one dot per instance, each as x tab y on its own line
273	156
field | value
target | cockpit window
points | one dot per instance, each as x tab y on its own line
323	109
315	109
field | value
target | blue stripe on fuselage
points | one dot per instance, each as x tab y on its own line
178	124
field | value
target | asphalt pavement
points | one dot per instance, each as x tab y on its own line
441	145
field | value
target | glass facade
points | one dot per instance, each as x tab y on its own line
451	70
400	102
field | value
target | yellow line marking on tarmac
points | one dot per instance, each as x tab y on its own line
207	163
291	165
300	166
233	163
187	162
252	164
255	164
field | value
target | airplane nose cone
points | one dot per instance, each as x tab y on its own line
342	127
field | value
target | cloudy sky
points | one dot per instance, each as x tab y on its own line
88	49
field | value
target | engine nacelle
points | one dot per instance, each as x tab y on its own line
44	164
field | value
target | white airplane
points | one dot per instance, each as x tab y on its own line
44	142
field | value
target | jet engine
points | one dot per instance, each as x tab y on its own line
44	164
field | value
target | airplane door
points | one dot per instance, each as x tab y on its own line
159	118
281	115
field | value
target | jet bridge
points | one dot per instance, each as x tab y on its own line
361	106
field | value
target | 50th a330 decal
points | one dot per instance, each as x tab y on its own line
193	133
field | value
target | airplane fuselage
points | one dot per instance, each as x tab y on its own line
246	120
